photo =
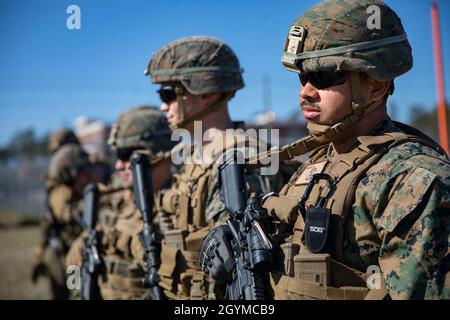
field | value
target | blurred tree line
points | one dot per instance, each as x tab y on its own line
24	144
427	121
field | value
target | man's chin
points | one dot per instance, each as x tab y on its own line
316	127
126	178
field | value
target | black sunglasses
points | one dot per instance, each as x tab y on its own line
167	94
323	79
124	154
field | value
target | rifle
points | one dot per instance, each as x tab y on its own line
53	230
52	239
149	237
248	222
92	263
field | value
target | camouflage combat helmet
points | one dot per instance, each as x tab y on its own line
143	127
67	163
338	35
60	138
202	65
335	35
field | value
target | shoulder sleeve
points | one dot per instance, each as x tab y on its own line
215	208
410	212
60	202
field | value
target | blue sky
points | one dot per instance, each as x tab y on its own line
50	75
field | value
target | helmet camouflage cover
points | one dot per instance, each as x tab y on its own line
67	163
335	35
143	127
60	138
202	64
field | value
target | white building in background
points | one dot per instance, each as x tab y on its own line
93	135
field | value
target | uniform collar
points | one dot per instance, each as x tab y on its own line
385	125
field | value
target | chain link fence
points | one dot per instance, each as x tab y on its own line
22	188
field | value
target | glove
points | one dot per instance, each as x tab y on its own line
38	269
216	255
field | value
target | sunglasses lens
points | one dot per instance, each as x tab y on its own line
124	154
303	78
323	79
167	94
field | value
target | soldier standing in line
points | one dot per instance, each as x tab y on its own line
369	209
198	76
69	171
141	129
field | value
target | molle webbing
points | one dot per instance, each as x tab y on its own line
123	281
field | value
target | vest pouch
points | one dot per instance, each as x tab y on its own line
289	251
198	286
194	240
175	238
193	286
120	288
317	226
315	268
191	258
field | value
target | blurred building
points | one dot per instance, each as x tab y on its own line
289	130
93	135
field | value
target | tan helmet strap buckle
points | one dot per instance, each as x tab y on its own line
355	86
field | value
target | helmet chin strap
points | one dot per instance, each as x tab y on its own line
360	110
185	120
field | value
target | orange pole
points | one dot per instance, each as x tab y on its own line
442	117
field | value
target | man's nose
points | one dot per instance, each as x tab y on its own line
120	165
164	107
309	92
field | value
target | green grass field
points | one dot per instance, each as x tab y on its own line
17	246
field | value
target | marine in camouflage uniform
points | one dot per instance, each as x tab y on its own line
375	194
198	76
69	171
58	187
142	129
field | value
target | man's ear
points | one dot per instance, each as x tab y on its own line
378	89
209	99
208	96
